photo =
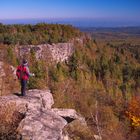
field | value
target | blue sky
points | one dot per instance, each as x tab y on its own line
117	9
98	12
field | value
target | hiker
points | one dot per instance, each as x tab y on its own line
23	75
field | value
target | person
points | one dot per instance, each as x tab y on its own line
23	75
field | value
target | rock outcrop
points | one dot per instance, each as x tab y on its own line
39	120
59	52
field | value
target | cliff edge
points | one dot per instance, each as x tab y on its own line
34	117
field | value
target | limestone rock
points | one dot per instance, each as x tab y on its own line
39	120
69	115
41	125
59	52
97	137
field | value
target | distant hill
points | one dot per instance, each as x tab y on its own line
128	30
115	35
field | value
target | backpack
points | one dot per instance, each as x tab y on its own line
21	73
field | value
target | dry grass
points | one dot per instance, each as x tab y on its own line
9	121
76	131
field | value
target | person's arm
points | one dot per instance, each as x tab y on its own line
28	72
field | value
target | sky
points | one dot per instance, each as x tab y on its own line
111	10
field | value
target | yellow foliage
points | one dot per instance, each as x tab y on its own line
133	112
135	121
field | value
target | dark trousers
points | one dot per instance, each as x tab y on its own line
23	87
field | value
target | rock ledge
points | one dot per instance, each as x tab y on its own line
40	121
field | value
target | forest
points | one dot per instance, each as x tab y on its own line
101	80
36	34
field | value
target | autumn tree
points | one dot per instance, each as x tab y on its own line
133	112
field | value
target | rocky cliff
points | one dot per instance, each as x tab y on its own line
55	52
33	116
58	52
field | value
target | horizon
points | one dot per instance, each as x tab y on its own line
92	13
77	22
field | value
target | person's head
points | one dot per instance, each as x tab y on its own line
24	62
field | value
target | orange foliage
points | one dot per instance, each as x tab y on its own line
133	112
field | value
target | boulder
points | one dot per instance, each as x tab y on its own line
41	125
69	115
38	120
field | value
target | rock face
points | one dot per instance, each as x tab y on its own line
40	121
61	52
56	52
69	115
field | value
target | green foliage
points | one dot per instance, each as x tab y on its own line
8	39
73	66
38	67
1	38
137	77
11	56
53	74
58	73
117	59
104	63
127	72
37	34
